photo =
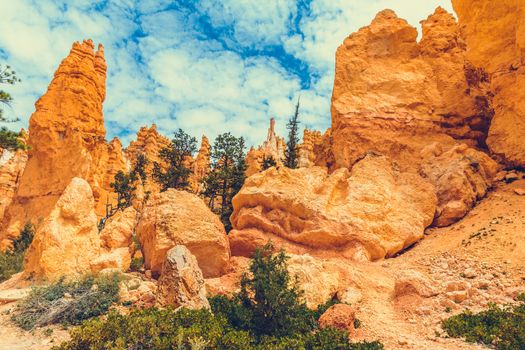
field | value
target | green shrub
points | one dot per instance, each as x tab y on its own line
502	327
10	140
267	314
67	302
12	261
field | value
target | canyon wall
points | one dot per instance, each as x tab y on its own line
494	32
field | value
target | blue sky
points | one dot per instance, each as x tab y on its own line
206	66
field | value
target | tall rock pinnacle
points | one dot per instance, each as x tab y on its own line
66	140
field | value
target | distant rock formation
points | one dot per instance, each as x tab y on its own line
66	140
494	32
274	147
12	164
201	165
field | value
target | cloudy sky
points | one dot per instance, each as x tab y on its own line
207	66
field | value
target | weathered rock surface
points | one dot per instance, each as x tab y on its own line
338	316
201	165
67	242
175	218
181	283
395	95
494	32
310	148
369	212
66	140
12	164
461	176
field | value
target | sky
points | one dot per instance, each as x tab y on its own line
208	66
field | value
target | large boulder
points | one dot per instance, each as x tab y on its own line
371	212
181	283
173	218
494	32
67	242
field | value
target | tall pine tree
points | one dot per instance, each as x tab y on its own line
292	149
177	173
227	175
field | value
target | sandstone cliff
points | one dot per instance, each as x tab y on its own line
66	140
494	32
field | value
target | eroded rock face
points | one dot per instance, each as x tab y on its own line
370	212
394	95
66	140
181	283
173	218
310	148
338	316
67	242
274	147
201	165
494	32
12	164
461	175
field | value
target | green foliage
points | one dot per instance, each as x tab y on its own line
12	261
67	302
292	144
140	167
268	162
7	76
227	175
502	327
124	186
10	140
176	156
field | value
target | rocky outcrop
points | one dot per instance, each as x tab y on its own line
310	148
338	316
461	176
201	165
494	32
12	164
67	242
66	140
181	283
274	147
371	212
175	218
395	95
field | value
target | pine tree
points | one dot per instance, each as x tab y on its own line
7	76
176	156
227	175
291	153
140	167
268	162
124	186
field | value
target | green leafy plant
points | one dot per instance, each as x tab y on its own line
502	327
67	302
12	261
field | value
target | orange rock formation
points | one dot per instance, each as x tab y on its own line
66	140
274	146
494	32
12	164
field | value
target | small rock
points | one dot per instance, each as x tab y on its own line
511	177
470	273
458	296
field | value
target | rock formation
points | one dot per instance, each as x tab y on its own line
201	165
66	140
67	242
369	212
310	148
394	95
173	218
12	164
181	283
274	147
338	316
494	32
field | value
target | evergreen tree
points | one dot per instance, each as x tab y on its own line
227	175
268	162
176	156
291	153
140	167
10	139
7	76
124	186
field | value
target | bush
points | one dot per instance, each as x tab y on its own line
12	261
67	302
10	140
267	299
502	327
